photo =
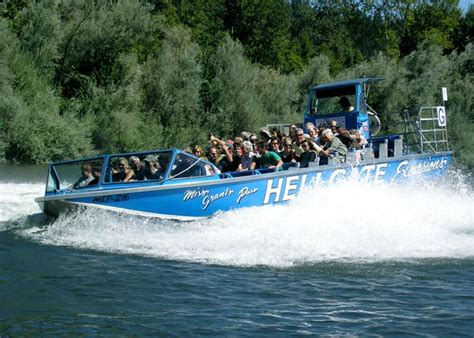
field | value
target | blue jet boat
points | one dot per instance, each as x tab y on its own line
188	187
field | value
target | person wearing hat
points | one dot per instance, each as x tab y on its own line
153	170
265	135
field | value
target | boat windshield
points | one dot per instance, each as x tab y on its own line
333	104
75	175
138	167
186	166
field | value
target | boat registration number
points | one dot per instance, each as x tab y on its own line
111	198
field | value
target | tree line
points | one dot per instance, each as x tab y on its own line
84	77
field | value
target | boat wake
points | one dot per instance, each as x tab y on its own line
345	222
17	200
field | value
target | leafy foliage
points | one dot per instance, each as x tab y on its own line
78	77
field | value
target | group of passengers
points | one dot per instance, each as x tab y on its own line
272	149
134	170
246	151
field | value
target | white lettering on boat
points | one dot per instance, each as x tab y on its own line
380	172
245	191
366	171
401	172
424	167
191	194
292	185
209	198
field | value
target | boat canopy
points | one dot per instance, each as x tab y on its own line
343	102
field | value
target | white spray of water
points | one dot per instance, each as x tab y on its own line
347	221
17	199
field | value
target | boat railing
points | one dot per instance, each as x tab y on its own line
419	130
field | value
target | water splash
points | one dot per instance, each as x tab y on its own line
17	199
348	221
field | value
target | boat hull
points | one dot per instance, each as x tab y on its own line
196	199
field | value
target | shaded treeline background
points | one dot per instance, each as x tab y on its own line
83	77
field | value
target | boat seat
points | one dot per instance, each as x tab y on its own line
376	141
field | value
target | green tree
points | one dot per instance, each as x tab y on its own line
264	30
34	131
236	105
95	35
172	82
40	32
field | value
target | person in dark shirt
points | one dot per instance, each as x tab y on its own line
153	170
287	154
124	173
344	136
96	173
223	163
137	168
307	155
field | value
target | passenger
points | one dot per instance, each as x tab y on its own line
345	104
253	140
333	126
238	149
297	144
125	174
314	134
358	141
238	140
307	156
96	173
137	168
197	151
276	133
245	135
344	136
292	133
309	125
236	157
213	156
247	156
287	154
265	135
153	170
268	159
275	144
333	146
224	163
86	176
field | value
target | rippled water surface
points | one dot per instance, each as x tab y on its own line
349	259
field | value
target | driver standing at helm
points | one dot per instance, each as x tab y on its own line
345	104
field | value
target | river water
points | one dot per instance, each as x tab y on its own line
349	259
